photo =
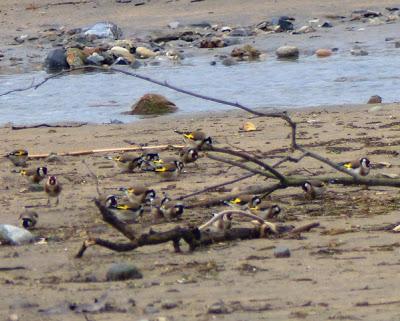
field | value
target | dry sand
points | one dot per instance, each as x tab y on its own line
332	271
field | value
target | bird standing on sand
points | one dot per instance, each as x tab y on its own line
200	138
169	171
128	211
29	219
313	189
18	157
34	176
189	155
128	162
139	194
252	201
171	209
267	213
53	189
360	166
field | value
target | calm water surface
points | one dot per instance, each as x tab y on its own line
102	97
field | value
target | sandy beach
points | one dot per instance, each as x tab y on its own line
346	269
348	260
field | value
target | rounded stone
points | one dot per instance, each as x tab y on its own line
375	99
144	52
123	271
322	53
75	57
121	52
287	52
10	234
281	251
153	104
56	60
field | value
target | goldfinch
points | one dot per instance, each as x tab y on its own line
34	176
53	189
29	219
360	166
18	157
267	213
171	209
169	171
313	189
127	163
252	201
139	194
128	212
189	155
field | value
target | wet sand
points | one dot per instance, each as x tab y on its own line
32	19
344	270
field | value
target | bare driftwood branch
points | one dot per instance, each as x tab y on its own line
109	150
213	187
249	158
218	200
193	236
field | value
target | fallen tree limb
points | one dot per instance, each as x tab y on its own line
108	150
193	236
72	125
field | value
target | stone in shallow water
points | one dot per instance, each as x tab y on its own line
56	60
287	52
375	99
123	271
10	234
153	104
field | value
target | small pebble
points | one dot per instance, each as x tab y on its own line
123	271
281	251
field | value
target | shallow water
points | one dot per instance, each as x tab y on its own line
102	97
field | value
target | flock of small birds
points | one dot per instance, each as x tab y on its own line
130	207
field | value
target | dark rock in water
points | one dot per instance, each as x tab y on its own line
287	52
375	99
367	13
56	60
264	25
213	42
397	44
326	24
246	52
10	234
123	271
95	59
153	104
231	41
121	61
281	251
103	30
213	63
229	62
285	23
357	51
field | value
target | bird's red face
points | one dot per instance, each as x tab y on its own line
52	180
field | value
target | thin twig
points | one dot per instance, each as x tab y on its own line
209	188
